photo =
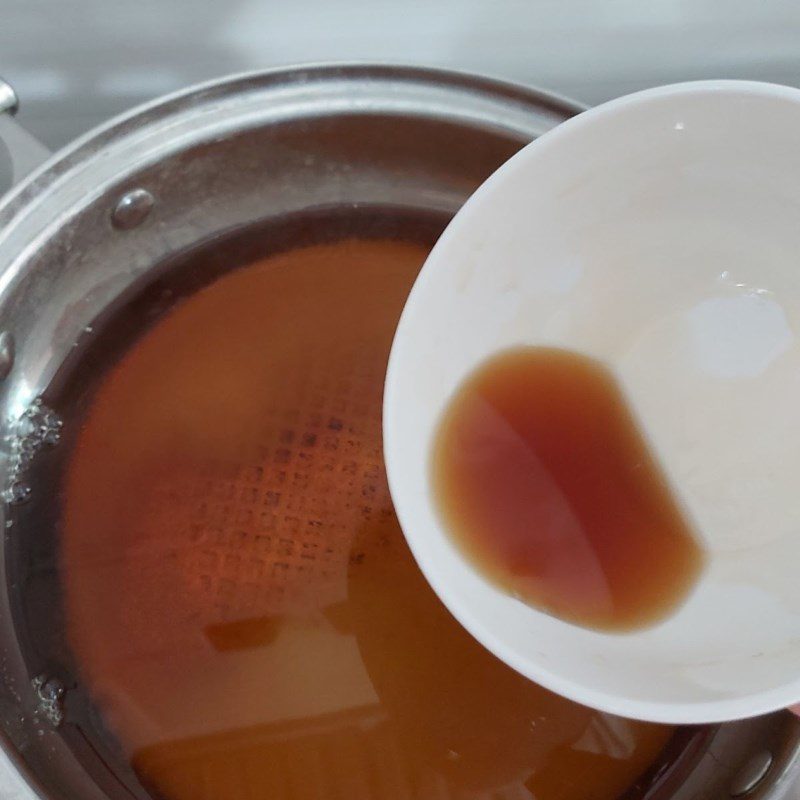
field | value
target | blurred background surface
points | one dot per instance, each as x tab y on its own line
75	63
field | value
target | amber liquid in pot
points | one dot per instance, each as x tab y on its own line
239	600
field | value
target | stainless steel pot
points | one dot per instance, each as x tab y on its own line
80	229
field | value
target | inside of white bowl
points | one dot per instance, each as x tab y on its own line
659	234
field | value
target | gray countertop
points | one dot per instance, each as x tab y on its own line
75	64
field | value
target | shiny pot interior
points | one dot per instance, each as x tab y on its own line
106	215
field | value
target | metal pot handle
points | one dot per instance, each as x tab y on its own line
24	151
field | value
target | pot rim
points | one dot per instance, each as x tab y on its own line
87	144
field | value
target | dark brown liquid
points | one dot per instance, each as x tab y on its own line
239	597
545	480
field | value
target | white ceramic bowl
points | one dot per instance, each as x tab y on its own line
659	233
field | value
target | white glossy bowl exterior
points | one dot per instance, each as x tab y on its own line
660	233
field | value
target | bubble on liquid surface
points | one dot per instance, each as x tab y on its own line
18	493
50	699
37	428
